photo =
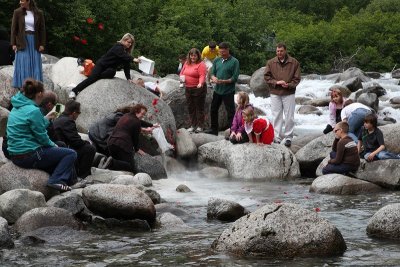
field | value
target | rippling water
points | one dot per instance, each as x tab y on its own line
123	247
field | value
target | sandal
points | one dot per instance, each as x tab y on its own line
60	187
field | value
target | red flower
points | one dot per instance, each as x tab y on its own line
317	209
156	110
101	26
76	38
89	20
155	101
84	42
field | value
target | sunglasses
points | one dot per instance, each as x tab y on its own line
336	130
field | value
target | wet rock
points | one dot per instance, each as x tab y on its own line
251	161
391	134
3	120
150	165
385	173
168	208
119	201
281	231
258	84
139	179
183	188
143	179
352	72
153	195
224	210
214	172
104	176
14	177
337	184
244	79
243	88
5	237
395	100
45	217
70	201
308	109
353	84
185	147
301	100
370	100
124	179
54	235
396	74
300	142
173	166
373	74
318	102
372	88
385	222
201	138
16	202
170	221
312	154
112	223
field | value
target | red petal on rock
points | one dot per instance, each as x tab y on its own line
317	209
155	101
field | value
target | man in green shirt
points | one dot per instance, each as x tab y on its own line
225	72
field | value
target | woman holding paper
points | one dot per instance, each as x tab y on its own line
106	66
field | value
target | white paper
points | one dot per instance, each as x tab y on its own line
146	65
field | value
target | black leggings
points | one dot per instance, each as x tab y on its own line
98	72
122	160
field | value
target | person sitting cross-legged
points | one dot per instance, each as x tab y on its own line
344	155
66	131
371	139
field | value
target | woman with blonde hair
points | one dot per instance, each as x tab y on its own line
106	66
335	107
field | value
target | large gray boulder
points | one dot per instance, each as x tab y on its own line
352	72
45	217
3	120
202	138
301	141
281	231
14	177
251	161
353	84
244	79
7	91
5	236
369	99
49	59
258	84
150	165
396	74
309	109
66	72
16	202
374	87
224	210
119	201
106	95
337	184
312	154
185	147
391	134
385	222
170	221
70	201
385	173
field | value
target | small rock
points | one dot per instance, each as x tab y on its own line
183	189
224	210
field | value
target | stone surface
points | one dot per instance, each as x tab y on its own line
185	147
7	91
170	221
391	134
352	72
119	201
385	173
281	231
337	184
375	88
244	79
370	100
258	84
14	177
3	120
214	172
45	217
66	72
143	179
16	202
318	102
153	195
251	161
202	138
5	236
183	188
139	179
224	210
353	84
70	201
300	142
396	74
309	109
150	165
385	222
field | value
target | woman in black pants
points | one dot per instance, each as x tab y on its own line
106	66
123	142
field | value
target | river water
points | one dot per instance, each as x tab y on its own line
191	246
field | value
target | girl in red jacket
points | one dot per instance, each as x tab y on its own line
259	130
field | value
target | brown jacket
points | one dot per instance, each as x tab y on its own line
289	71
18	29
346	152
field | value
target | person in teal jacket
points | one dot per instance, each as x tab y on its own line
29	145
225	73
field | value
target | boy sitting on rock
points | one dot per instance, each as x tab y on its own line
371	139
344	155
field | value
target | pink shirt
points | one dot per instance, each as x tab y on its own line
194	74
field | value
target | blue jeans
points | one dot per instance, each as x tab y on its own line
341	168
57	161
383	155
356	121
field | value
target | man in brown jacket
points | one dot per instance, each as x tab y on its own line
282	75
344	155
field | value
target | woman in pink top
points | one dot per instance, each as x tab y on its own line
195	72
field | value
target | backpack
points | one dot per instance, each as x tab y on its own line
87	65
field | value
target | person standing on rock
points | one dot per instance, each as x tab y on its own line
344	155
282	75
208	55
66	131
29	146
106	66
195	71
225	72
28	38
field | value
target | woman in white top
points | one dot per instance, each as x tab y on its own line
28	38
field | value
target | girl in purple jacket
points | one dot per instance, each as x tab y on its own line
238	134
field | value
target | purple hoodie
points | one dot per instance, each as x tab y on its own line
237	123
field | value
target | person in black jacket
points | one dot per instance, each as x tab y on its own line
106	66
7	54
67	132
123	142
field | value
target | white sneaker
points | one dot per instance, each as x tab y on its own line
198	130
191	129
72	95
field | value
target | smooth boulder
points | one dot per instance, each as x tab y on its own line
224	210
385	222
258	84
69	201
7	91
5	236
3	120
385	173
185	147
281	231
150	165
